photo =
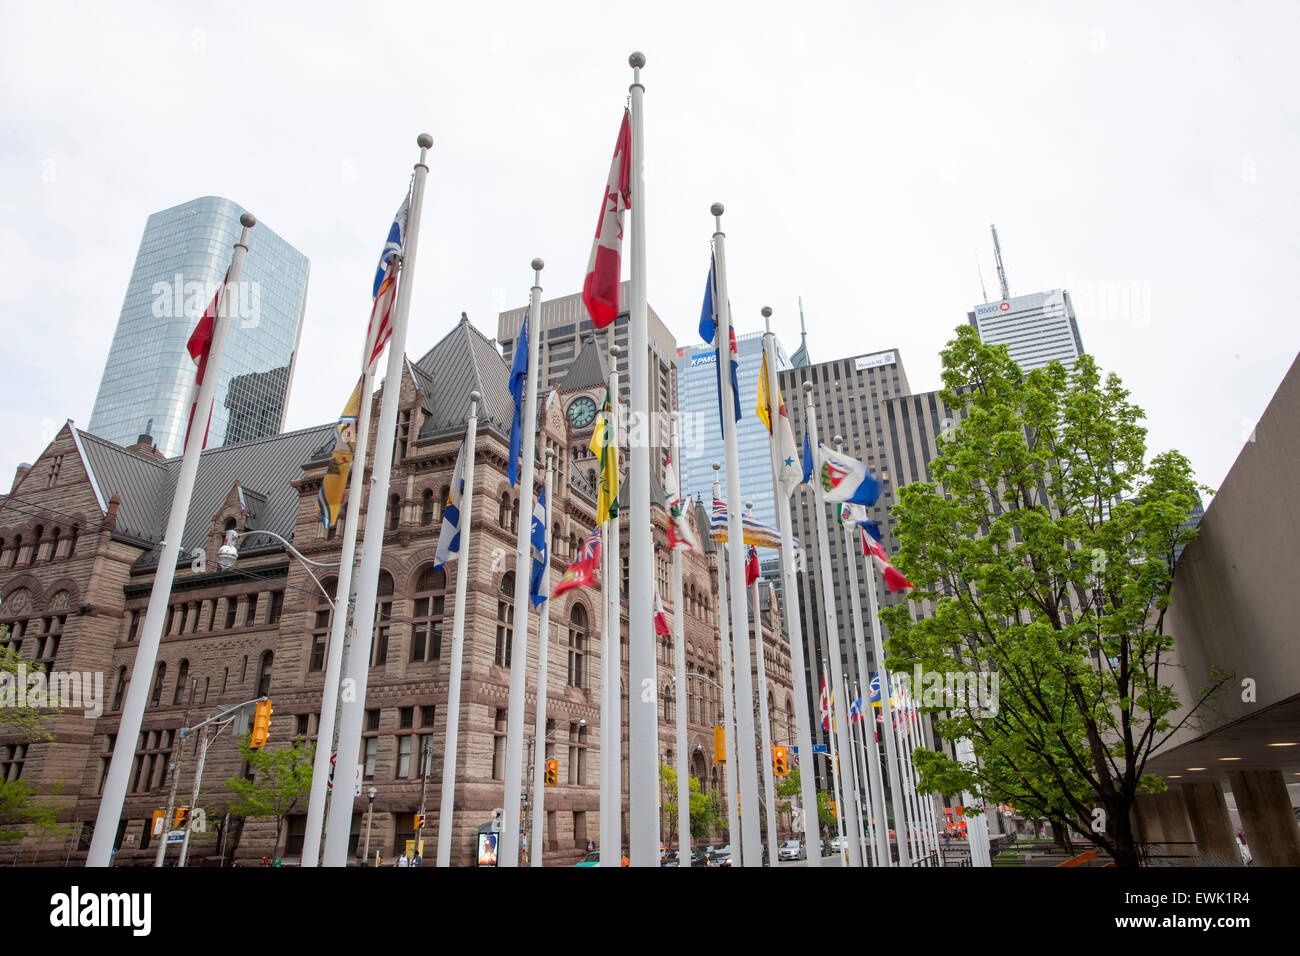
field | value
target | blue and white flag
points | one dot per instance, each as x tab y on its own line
393	245
855	710
449	535
536	583
709	332
518	373
807	459
845	478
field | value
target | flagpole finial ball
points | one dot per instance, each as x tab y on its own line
247	220
424	141
807	386
716	466
550	454
674	416
636	60
749	505
838	439
476	396
717	209
765	312
615	351
538	265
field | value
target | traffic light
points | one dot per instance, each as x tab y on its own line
719	744
779	762
261	724
831	807
419	821
552	772
178	821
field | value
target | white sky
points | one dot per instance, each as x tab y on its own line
1145	160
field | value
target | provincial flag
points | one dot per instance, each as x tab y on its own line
680	535
844	478
200	348
536	582
875	689
661	618
709	332
380	329
604	445
751	566
807	459
449	533
330	497
788	477
757	533
582	572
827	701
518	375
872	548
855	710
601	287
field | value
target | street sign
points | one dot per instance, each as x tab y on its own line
176	836
819	748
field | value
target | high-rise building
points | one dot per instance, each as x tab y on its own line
148	380
1036	328
697	399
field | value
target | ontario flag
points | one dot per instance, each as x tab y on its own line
893	579
582	573
200	348
751	565
680	535
661	619
600	288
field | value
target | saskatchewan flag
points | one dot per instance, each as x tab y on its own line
604	445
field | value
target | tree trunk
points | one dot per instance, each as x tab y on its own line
1123	847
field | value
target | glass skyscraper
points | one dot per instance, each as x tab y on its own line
697	399
149	376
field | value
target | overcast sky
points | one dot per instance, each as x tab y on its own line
1145	160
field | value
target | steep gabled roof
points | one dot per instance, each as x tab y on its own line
588	369
465	360
138	481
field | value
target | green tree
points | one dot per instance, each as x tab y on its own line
1047	542
23	812
706	808
280	780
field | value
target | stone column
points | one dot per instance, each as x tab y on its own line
1267	817
1160	820
1208	813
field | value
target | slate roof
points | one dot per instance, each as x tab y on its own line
464	360
588	369
138	480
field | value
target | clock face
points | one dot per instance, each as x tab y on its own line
582	412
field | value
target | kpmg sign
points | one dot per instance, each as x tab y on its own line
703	358
873	361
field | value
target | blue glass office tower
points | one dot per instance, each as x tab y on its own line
697	400
149	377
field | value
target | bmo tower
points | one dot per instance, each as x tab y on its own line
1036	328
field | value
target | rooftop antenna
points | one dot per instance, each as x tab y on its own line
148	429
1002	273
803	332
980	272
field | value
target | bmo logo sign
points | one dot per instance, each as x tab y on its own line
993	308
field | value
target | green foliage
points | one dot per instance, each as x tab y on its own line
1046	541
281	779
706	808
23	812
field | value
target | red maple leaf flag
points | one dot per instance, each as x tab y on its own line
200	348
600	288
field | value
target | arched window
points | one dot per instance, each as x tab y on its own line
394	512
264	674
320	633
505	619
121	689
789	721
426	621
443	495
383	617
578	646
426	507
72	544
230	525
54	544
514	515
182	674
36	544
159	676
18	547
503	511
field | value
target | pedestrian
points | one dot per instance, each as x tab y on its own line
418	861
403	862
591	846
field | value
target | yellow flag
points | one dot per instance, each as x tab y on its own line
604	445
330	497
763	402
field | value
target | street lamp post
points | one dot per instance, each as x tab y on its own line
370	815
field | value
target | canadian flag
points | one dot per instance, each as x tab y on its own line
893	579
600	288
661	618
200	349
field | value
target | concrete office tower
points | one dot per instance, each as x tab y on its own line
148	380
1036	328
697	399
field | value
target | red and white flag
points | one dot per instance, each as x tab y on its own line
380	329
661	618
200	348
826	702
893	579
680	535
600	288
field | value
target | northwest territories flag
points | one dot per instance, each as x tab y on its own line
518	374
449	534
536	583
844	478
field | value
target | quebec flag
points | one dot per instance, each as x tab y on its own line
449	535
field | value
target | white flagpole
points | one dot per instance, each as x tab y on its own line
611	666
860	743
909	807
840	727
679	668
320	775
802	719
543	639
977	826
338	825
728	696
447	803
853	775
765	731
643	672
750	837
876	796
837	781
887	713
508	854
146	655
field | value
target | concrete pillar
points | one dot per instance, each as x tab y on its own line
1267	817
1208	813
1162	818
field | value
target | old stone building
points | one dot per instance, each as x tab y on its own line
79	544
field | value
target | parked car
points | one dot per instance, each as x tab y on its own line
792	850
669	858
699	856
720	856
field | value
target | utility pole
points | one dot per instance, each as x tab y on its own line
426	758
